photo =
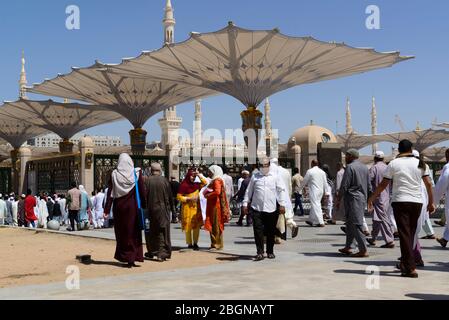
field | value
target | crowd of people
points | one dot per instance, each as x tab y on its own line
76	210
400	196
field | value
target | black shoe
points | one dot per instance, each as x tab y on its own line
239	224
196	248
372	242
442	242
148	256
190	246
309	223
388	246
411	274
330	222
259	257
132	265
271	256
295	232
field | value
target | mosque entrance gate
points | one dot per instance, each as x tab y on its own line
105	164
52	175
5	180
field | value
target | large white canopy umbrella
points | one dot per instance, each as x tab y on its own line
252	65
16	132
64	119
421	139
135	98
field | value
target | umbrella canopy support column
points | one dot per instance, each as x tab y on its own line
65	146
251	124
15	171
138	139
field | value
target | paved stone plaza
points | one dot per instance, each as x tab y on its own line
305	268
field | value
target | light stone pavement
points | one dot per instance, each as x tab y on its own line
308	267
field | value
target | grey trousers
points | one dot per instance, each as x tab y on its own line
355	233
385	228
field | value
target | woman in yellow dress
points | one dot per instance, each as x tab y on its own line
192	218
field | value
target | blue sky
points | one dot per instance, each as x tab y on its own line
416	90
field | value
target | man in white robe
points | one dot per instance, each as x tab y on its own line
98	211
441	190
229	185
316	181
286	178
43	212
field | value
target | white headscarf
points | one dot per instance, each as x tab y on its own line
217	172
123	180
82	189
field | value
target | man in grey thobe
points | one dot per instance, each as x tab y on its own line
381	219
354	190
160	205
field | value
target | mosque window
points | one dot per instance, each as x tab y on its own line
325	138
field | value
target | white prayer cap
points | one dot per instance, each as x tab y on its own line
380	154
245	172
275	161
416	154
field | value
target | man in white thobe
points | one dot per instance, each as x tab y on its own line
286	178
316	181
441	190
3	210
229	186
98	211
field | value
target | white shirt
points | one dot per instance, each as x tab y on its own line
407	179
442	186
264	192
98	202
229	185
239	183
316	180
340	175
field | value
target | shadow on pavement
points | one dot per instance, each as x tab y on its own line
364	273
106	263
324	254
244	242
424	296
229	257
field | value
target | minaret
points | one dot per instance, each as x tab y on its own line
349	129
374	122
198	133
170	122
169	23
268	127
23	80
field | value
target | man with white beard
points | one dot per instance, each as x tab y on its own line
316	181
286	178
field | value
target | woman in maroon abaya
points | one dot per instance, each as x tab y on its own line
123	200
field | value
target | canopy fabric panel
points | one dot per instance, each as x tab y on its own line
135	98
16	131
421	139
253	65
64	119
357	141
